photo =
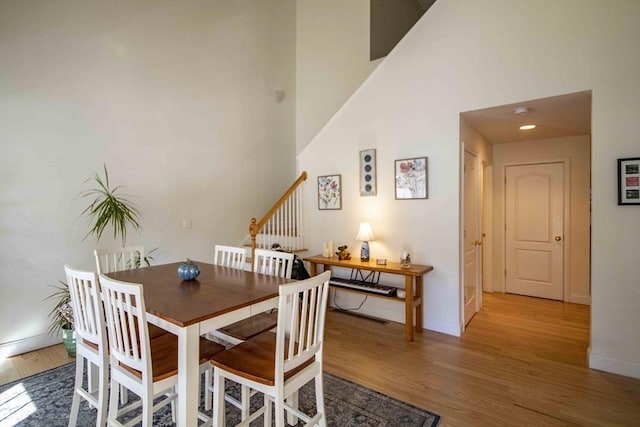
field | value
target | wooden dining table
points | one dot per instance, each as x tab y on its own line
218	297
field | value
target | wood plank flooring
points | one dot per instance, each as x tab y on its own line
522	361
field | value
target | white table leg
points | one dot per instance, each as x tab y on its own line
188	376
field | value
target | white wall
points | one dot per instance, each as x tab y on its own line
332	60
463	56
475	142
177	98
576	152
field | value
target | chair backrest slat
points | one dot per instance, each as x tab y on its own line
230	256
274	263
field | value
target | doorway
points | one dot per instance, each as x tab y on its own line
561	138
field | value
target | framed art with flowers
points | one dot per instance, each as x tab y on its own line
329	192
411	178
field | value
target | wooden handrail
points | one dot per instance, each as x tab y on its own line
256	225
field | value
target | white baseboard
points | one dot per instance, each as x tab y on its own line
442	327
24	345
615	366
579	300
388	310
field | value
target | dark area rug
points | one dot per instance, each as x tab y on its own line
45	400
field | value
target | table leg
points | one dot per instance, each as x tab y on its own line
313	269
188	376
408	309
419	295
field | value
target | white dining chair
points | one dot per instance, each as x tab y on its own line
229	256
274	263
91	344
147	367
118	259
279	364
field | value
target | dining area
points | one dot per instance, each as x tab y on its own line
165	338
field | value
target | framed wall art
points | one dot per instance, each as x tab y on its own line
368	172
411	178
629	181
329	192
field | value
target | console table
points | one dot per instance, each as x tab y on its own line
413	274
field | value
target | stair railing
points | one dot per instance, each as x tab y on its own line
282	223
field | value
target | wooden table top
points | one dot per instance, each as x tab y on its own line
216	291
354	262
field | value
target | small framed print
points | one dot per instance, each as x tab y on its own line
368	172
411	178
629	181
329	192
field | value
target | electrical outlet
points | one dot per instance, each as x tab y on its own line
186	224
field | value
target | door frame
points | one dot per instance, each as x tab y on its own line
480	194
566	220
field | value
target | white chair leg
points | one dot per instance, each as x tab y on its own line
92	374
279	412
124	396
113	402
103	381
293	402
218	399
267	412
208	388
174	411
245	399
75	405
147	411
320	399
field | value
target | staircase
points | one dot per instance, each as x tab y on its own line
282	224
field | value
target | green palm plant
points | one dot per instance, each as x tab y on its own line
108	207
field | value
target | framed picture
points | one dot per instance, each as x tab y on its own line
629	181
411	178
330	192
368	172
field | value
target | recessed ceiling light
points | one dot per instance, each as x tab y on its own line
527	127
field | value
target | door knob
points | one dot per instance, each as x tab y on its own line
558	238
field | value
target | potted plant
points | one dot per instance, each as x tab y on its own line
61	316
108	207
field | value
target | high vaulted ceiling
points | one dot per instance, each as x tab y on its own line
554	117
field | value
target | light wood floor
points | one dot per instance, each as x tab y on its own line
522	361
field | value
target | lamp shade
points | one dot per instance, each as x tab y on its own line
365	233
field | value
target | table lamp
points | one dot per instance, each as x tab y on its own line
364	235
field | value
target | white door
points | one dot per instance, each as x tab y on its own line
471	236
535	230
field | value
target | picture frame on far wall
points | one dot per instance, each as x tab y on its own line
368	172
411	178
629	181
329	192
